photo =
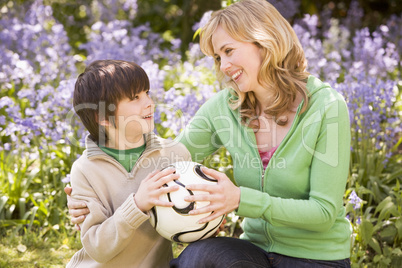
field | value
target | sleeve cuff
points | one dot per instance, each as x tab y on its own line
132	214
253	203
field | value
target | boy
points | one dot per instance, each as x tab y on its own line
116	174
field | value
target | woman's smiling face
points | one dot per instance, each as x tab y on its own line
240	61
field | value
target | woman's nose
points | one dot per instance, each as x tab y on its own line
225	65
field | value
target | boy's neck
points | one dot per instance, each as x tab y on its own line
125	143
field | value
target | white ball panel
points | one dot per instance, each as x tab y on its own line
175	223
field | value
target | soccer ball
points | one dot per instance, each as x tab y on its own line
174	223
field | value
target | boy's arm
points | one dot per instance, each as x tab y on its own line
78	210
103	235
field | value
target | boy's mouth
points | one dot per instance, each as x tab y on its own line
147	116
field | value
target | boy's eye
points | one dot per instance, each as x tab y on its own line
218	59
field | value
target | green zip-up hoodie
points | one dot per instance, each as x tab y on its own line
294	207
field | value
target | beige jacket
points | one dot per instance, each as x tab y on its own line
116	233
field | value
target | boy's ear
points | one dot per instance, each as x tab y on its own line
104	123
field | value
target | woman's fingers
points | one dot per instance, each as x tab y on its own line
77	212
223	197
68	190
74	205
211	217
77	220
205	196
217	175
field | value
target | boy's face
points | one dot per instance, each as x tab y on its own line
135	117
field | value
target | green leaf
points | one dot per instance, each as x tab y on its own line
394	175
398	225
383	204
375	245
377	258
366	230
389	231
197	33
3	202
389	209
363	190
397	145
397	251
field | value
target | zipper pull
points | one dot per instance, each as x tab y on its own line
262	178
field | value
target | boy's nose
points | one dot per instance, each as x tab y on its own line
151	106
149	102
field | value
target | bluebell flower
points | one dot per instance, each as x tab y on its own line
67	179
7	146
2	120
6	101
355	200
287	8
354	17
204	19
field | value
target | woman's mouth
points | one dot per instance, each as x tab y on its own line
236	75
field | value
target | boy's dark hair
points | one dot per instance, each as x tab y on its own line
99	89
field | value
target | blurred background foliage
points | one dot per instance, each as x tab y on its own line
355	45
174	18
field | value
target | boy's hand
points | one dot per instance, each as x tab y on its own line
151	188
77	210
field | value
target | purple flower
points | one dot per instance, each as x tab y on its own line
372	117
67	179
205	18
355	200
287	8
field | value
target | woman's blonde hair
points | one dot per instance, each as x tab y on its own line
283	67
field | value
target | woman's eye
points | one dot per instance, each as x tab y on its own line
227	51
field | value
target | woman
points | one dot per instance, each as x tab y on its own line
289	137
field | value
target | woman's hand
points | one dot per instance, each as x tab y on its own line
77	210
147	195
224	197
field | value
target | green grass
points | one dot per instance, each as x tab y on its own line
31	250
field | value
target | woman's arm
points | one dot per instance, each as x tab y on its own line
77	210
